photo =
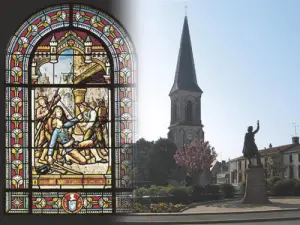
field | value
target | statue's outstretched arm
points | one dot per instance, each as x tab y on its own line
257	129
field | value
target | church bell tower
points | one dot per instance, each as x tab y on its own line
186	124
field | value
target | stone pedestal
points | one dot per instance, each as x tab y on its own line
256	187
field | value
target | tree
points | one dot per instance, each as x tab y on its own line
141	154
274	165
195	157
162	165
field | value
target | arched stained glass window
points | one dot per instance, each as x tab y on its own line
70	113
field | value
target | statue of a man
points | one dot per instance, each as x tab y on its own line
250	149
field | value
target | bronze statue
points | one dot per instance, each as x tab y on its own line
250	149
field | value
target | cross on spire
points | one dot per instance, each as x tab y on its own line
185	7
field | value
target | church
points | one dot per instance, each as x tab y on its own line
186	124
185	94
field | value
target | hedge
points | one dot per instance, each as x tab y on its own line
228	190
280	187
182	194
176	191
287	187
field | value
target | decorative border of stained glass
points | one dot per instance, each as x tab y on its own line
17	202
125	100
18	55
23	42
16	138
71	203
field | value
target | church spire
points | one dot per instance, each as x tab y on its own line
185	75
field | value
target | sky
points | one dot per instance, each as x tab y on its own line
246	55
64	64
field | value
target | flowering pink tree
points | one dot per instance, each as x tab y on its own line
195	157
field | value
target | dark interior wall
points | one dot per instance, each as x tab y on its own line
13	13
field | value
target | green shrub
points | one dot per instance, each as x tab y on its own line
176	194
163	191
140	192
228	190
212	189
158	190
285	187
271	182
139	208
180	191
207	193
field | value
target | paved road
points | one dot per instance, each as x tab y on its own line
209	218
294	222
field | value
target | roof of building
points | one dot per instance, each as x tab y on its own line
272	150
185	75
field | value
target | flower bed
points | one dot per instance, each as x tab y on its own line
158	208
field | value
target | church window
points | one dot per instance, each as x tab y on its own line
189	111
70	116
174	112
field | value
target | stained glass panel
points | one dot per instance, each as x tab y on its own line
71	203
17	202
113	36
16	138
23	42
125	100
71	57
16	68
69	139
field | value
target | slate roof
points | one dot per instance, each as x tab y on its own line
185	75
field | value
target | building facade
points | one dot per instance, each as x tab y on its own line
282	161
291	159
220	172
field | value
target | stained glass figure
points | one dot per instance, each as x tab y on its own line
70	113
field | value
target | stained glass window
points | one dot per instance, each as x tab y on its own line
70	114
